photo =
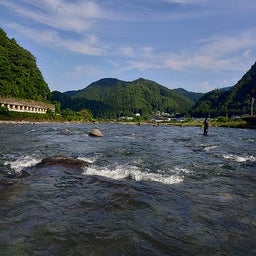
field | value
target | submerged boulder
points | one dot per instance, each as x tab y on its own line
6	182
96	133
62	160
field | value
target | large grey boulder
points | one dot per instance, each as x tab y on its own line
96	133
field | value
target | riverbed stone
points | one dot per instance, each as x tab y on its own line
96	133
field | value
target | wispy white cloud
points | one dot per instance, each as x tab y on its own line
205	86
186	1
223	53
79	16
223	45
87	45
222	5
86	70
247	53
59	14
127	51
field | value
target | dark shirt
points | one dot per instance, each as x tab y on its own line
205	123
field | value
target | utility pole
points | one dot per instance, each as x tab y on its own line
253	99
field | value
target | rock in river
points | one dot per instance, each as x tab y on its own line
62	160
96	133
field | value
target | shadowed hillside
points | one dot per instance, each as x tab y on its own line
228	102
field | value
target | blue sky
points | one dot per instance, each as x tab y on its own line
198	45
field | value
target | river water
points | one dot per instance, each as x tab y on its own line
145	190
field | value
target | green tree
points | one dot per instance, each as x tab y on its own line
19	74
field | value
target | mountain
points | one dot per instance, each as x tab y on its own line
20	76
235	100
194	96
110	98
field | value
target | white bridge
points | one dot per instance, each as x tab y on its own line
30	106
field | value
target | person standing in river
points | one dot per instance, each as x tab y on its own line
206	125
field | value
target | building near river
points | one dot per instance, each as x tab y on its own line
21	105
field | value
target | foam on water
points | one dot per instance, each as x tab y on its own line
89	160
22	162
210	147
133	172
239	159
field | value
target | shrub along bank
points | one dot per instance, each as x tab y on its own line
66	115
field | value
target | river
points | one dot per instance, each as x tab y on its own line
143	190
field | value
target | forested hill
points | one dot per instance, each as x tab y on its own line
235	100
194	96
19	74
111	98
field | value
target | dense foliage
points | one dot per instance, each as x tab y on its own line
194	96
110	98
235	101
19	74
211	104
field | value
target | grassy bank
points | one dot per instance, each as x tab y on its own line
9	116
219	122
